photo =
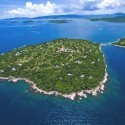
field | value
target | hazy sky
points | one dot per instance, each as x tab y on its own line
33	8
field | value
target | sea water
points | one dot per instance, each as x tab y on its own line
20	105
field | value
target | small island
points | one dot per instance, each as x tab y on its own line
65	67
59	21
120	43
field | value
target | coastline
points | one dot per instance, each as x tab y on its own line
72	96
118	46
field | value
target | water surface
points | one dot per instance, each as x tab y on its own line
20	105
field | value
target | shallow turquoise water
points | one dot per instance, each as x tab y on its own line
20	105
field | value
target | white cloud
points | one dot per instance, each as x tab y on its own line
33	10
100	6
105	4
69	7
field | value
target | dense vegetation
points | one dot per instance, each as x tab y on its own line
121	42
113	19
64	65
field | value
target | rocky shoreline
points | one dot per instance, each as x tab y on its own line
119	46
71	96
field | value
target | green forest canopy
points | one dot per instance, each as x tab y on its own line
64	65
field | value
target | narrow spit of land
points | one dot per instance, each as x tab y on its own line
120	43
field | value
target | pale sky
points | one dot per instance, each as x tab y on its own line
34	8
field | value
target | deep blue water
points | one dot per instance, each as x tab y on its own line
19	105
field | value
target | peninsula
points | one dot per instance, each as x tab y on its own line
66	67
119	19
120	43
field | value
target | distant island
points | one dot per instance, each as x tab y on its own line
120	43
59	21
65	67
118	19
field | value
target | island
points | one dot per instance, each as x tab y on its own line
120	43
119	19
66	67
29	21
59	21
